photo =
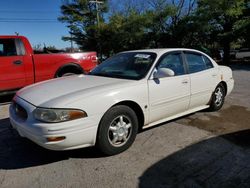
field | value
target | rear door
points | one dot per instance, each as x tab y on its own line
12	69
203	78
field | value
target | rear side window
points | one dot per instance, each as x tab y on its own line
197	62
1	48
208	63
20	47
8	47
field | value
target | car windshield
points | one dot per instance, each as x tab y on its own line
127	65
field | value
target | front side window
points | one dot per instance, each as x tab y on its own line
7	47
174	62
127	65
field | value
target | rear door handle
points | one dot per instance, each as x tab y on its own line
18	62
214	75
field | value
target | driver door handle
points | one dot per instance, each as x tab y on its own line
18	62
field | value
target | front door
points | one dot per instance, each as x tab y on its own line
12	69
169	96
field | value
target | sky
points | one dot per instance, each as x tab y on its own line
35	19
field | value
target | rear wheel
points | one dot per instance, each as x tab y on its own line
68	74
218	98
117	130
69	70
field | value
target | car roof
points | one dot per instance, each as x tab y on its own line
160	51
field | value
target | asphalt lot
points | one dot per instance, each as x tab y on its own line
203	149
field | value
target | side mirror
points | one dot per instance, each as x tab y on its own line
163	72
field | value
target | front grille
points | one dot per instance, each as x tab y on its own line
20	111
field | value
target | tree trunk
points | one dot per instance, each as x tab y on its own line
226	49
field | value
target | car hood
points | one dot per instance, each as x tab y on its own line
59	92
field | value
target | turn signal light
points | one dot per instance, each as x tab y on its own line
55	139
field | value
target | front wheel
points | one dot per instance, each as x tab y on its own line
117	130
218	98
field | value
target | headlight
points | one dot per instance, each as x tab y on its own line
57	115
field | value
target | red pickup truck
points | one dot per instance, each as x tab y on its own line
19	66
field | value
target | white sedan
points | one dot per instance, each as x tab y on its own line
129	91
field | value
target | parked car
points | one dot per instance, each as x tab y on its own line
220	54
233	54
20	67
243	54
129	91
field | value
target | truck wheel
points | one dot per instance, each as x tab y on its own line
68	71
68	74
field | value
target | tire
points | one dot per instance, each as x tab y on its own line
218	98
68	74
245	59
69	70
114	138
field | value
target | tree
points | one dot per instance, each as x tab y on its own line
81	19
242	27
123	32
220	19
196	24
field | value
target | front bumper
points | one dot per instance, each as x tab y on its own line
78	133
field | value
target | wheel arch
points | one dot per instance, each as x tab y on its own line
101	140
69	66
137	109
224	85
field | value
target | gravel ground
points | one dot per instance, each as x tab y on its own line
200	150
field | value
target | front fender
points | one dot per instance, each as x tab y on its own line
96	105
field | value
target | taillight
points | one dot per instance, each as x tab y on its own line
94	59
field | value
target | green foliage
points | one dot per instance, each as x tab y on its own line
223	21
125	32
197	24
242	27
80	16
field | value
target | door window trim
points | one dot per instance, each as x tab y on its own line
20	47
